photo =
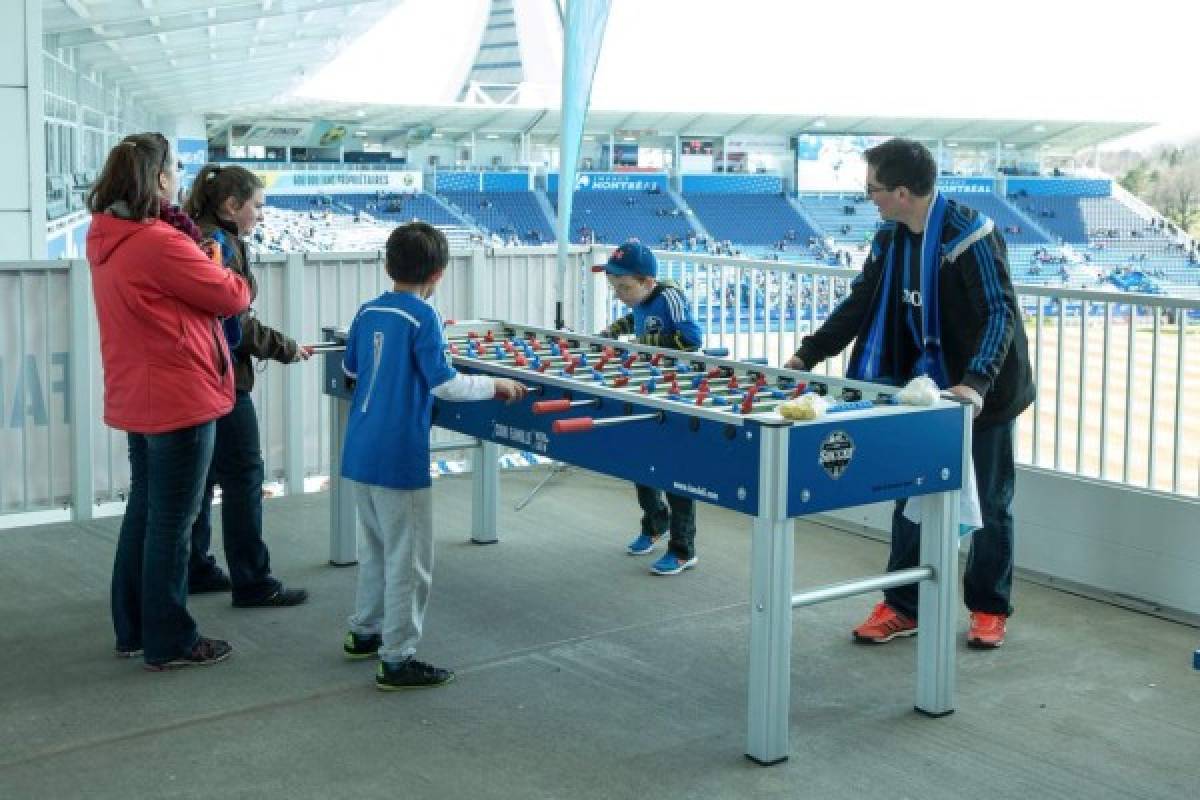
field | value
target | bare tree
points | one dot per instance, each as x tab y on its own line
1177	193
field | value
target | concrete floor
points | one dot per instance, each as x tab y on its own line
579	676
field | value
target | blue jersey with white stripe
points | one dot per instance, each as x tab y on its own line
396	353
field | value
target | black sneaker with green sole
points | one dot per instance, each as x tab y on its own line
358	647
411	674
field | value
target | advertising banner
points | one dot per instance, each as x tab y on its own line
964	185
335	182
613	181
294	133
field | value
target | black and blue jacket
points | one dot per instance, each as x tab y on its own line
963	328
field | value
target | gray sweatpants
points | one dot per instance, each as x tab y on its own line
395	566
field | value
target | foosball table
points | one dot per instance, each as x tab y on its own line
700	425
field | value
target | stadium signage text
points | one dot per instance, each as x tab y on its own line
613	182
306	182
966	185
320	179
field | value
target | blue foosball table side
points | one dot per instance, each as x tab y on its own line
657	428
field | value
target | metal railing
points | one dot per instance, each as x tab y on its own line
1118	374
51	374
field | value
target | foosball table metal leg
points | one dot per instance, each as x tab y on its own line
343	517
772	561
485	492
937	600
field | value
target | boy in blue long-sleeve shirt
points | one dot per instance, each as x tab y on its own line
662	317
396	353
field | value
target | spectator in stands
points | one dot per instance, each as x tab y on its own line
958	294
226	203
661	316
166	379
386	453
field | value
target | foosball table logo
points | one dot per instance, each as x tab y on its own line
837	450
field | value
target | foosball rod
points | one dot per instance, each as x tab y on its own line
581	424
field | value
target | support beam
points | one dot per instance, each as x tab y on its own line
140	27
215	72
201	60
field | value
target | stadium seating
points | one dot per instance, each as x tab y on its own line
749	219
505	214
614	217
828	211
1001	213
1101	237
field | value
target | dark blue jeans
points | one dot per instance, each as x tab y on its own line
987	583
680	520
149	585
237	467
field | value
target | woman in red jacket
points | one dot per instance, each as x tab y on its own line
167	377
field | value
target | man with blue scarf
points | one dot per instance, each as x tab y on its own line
935	298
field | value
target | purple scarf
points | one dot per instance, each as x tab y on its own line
173	215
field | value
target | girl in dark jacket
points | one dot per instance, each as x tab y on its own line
226	203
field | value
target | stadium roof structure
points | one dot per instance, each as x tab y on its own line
185	56
218	56
396	122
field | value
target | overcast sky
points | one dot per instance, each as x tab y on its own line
1028	59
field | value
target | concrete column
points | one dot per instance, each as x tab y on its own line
22	129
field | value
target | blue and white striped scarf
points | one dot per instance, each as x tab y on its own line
866	365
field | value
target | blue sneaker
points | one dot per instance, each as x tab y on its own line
671	564
641	545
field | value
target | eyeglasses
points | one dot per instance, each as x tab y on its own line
873	189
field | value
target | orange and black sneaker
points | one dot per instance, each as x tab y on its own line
884	624
987	630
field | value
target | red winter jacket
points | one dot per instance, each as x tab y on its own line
166	363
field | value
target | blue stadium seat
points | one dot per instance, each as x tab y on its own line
505	214
1001	213
617	216
749	219
828	211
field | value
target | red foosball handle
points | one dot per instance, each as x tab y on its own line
551	406
575	425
